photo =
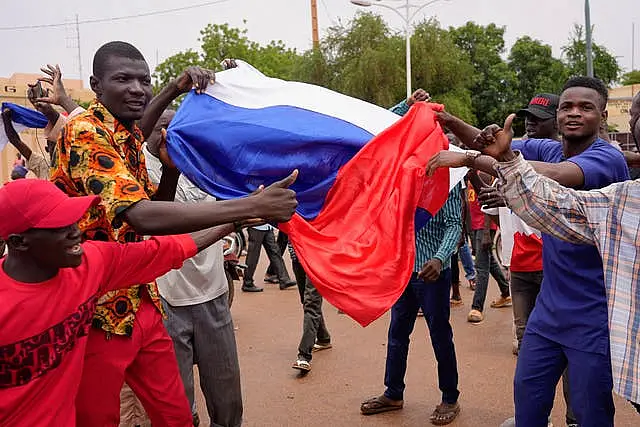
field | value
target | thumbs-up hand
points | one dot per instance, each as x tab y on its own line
277	202
496	140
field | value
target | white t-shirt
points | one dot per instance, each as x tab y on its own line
202	277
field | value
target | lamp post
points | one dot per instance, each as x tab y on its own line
407	15
587	24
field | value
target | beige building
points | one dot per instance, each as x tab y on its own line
14	89
619	105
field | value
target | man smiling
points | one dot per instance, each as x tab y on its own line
99	152
49	285
568	326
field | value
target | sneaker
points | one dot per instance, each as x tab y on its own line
456	302
302	365
271	279
321	346
475	316
251	288
501	302
420	313
287	284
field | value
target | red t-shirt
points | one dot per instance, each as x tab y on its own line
44	326
477	216
526	255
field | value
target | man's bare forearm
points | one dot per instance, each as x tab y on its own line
464	131
168	185
205	238
163	218
156	107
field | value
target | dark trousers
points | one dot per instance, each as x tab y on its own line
525	287
281	241
486	263
258	239
433	298
455	269
541	362
314	327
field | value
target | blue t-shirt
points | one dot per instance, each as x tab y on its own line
571	308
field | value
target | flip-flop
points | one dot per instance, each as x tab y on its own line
302	365
444	414
380	404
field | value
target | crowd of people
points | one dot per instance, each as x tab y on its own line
102	326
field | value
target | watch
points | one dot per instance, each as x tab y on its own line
471	156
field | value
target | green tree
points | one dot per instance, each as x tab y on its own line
494	84
536	69
220	41
605	65
365	59
442	69
631	78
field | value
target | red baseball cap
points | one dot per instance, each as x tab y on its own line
36	203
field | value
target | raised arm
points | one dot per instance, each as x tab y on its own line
13	136
193	77
544	204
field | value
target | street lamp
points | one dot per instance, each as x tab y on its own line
410	12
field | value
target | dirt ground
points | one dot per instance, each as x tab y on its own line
269	326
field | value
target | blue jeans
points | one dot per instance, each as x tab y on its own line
486	264
540	365
433	298
464	254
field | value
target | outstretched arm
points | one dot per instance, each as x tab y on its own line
544	204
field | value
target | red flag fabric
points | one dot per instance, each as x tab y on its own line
359	251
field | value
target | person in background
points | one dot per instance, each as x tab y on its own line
428	290
18	161
271	275
315	335
484	231
263	236
195	299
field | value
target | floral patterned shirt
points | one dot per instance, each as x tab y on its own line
95	154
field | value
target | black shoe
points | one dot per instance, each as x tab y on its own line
287	284
196	420
271	279
251	288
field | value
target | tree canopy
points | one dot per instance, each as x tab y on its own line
466	68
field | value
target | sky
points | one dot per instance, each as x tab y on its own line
159	36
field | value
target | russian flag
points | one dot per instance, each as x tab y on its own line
362	182
22	118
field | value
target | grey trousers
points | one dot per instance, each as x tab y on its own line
313	325
203	334
525	287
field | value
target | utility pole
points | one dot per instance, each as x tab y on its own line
314	24
633	46
587	23
79	55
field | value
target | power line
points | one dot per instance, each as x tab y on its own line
118	18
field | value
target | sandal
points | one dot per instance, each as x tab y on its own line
445	413
302	365
380	404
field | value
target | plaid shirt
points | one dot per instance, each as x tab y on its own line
609	219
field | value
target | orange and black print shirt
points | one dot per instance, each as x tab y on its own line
95	154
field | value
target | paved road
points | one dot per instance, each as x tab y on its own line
269	325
